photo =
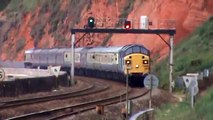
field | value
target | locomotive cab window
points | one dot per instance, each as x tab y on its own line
129	51
144	51
136	49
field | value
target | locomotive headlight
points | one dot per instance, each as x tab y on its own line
128	62
136	66
145	61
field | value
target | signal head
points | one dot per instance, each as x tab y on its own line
91	22
127	24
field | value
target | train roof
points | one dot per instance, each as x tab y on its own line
112	49
76	49
28	51
115	49
105	49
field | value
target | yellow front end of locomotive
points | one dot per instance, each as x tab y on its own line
136	64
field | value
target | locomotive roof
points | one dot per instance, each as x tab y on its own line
119	49
143	50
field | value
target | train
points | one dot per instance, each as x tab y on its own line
113	62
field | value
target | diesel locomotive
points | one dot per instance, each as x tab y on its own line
103	62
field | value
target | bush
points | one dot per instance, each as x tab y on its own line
37	32
127	9
20	44
3	4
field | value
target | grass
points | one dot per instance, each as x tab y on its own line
20	44
127	9
169	112
193	54
14	5
30	4
181	111
106	40
22	5
204	107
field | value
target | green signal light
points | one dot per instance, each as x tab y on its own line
91	22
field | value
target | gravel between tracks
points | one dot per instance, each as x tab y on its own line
113	112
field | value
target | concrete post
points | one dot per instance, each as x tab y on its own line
171	64
72	59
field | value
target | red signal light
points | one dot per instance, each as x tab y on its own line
127	24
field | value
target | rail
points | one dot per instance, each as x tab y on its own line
135	117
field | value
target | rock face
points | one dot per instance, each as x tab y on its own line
36	29
187	14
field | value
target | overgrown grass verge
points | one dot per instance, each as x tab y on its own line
181	111
192	55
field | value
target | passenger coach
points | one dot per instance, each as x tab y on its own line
103	62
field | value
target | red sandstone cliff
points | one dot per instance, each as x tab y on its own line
188	14
35	28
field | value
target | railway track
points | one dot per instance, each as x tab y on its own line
69	102
91	89
62	112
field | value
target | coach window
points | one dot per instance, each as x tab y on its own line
93	56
